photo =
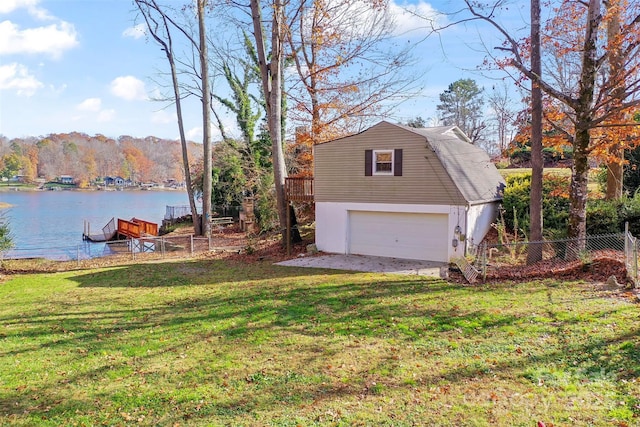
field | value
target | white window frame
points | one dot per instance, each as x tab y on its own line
374	163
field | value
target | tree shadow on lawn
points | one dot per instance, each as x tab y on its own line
252	304
235	306
197	272
71	329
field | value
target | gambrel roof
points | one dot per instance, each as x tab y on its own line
469	167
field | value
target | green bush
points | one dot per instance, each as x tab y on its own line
521	156
516	199
6	237
555	203
630	212
610	216
599	175
502	164
603	217
265	204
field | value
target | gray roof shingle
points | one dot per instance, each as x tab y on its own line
469	167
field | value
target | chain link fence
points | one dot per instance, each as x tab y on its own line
161	247
620	246
631	257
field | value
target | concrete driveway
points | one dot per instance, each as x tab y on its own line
370	264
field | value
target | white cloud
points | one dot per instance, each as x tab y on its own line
8	6
129	88
90	104
16	77
106	115
52	40
57	90
194	134
94	105
163	117
136	32
419	18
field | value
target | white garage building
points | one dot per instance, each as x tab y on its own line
402	192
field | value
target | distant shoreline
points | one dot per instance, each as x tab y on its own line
12	188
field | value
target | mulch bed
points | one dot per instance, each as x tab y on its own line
602	265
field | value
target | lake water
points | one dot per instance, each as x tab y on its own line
50	224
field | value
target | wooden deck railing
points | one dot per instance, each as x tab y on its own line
136	228
298	189
128	228
146	227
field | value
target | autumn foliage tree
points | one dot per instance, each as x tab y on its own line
348	70
88	159
591	99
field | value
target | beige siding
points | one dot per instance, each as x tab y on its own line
339	171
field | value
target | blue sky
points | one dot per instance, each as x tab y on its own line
80	65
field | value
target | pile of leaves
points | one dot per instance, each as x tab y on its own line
599	268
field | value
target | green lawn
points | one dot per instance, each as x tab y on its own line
209	342
566	172
592	185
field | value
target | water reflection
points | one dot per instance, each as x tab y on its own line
49	224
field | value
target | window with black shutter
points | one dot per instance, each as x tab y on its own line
383	162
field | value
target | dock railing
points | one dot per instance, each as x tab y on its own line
128	228
146	227
137	228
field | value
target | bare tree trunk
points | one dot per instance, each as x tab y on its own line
271	76
615	170
206	123
197	227
535	207
167	46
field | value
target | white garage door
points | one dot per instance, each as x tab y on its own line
399	235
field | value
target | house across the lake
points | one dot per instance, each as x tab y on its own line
18	178
65	179
114	181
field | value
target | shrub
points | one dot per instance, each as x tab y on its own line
516	199
603	217
521	156
265	204
610	216
630	212
502	164
6	238
555	202
600	177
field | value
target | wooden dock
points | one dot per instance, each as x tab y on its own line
125	229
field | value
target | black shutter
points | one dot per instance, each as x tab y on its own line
368	162
397	162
